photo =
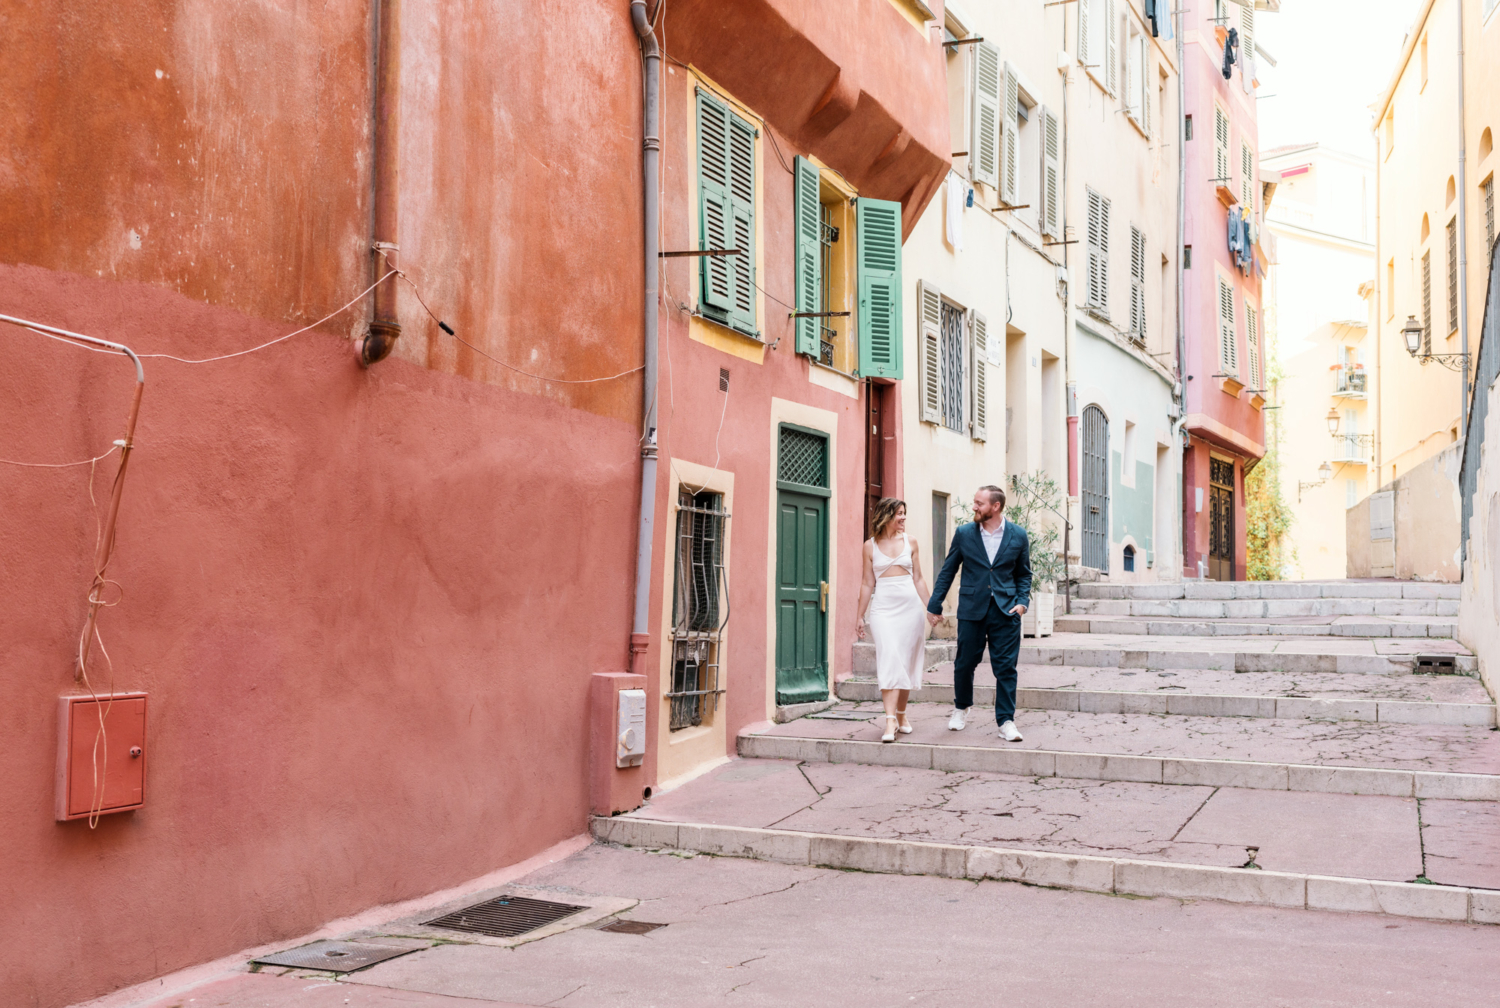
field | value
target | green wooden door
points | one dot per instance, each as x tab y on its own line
801	577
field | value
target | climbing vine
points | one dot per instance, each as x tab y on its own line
1270	555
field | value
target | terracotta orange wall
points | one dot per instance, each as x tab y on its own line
366	605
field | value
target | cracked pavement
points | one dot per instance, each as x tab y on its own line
765	935
1458	748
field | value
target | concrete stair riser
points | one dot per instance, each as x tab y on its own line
1261	609
1271	590
1225	661
1107	766
1193	627
1205	705
1122	876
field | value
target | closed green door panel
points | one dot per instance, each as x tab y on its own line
801	624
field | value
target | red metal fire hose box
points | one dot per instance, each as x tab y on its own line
101	754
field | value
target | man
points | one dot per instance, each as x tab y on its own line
996	589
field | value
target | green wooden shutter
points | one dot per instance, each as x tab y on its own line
809	254
879	230
742	234
715	212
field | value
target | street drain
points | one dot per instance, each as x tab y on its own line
333	956
1434	663
505	916
630	927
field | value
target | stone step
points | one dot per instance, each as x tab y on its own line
1342	626
861	690
1118	875
1379	656
1224	590
1348	757
1259	608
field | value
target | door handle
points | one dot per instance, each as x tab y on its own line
823	595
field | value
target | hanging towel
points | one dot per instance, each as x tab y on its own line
1233	226
1247	71
954	217
1231	45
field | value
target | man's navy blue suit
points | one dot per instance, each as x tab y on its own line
986	596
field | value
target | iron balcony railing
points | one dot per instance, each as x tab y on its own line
1349	382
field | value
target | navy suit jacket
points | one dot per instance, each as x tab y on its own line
1007	580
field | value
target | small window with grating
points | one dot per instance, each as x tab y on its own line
802	458
699	606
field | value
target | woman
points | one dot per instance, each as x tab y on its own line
897	618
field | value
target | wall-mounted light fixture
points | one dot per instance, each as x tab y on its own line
1413	331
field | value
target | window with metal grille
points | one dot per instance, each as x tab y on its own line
951	367
802	458
700	609
1137	285
1247	176
1229	356
1098	253
1252	345
1489	213
1453	274
827	235
1426	302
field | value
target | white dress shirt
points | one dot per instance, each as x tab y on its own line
992	539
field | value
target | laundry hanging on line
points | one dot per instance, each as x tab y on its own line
1231	51
1159	13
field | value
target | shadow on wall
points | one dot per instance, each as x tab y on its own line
1408	529
1479	491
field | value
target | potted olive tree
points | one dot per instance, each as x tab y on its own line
1035	503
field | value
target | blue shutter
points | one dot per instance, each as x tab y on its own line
809	255
879	232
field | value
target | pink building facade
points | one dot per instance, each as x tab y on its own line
1225	360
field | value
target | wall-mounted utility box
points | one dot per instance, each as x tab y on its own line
632	739
101	754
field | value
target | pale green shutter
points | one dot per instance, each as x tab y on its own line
715	215
879	235
809	255
742	235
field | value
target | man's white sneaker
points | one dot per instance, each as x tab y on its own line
957	721
1009	732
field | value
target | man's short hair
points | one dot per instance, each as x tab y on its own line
997	496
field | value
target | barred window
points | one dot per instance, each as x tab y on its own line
700	608
1453	274
1426	302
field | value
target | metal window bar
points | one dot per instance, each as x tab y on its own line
827	235
700	607
951	355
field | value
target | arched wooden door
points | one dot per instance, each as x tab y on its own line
1095	501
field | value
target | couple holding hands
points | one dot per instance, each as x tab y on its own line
895	609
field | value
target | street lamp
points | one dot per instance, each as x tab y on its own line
1333	422
1413	332
1325	470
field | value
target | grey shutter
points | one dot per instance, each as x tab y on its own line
1138	285
929	351
1111	47
716	289
878	225
742	195
984	145
1098	252
1083	31
1010	135
1051	187
978	389
809	252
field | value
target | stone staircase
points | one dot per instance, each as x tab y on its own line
1278	766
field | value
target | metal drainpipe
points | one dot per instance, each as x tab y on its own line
1181	299
384	327
1463	238
1070	390
640	636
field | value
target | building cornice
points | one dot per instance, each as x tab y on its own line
1412	37
1206	427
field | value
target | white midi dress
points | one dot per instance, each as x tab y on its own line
897	620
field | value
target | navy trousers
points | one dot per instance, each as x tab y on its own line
1002	632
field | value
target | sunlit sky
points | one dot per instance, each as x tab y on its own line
1333	60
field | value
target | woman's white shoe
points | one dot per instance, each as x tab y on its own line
890	729
903	727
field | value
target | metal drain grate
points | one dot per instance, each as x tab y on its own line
505	916
1434	663
334	956
630	927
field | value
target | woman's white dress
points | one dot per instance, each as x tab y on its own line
897	620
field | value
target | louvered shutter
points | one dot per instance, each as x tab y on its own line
742	195
1247	38
1111	47
984	146
715	212
1010	160
1098	252
879	231
978	389
1229	358
1252	344
929	350
1051	215
1147	87
1138	285
809	251
1247	176
1083	31
1221	146
1129	96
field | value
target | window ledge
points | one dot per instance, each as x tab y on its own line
1231	386
1226	195
852	375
